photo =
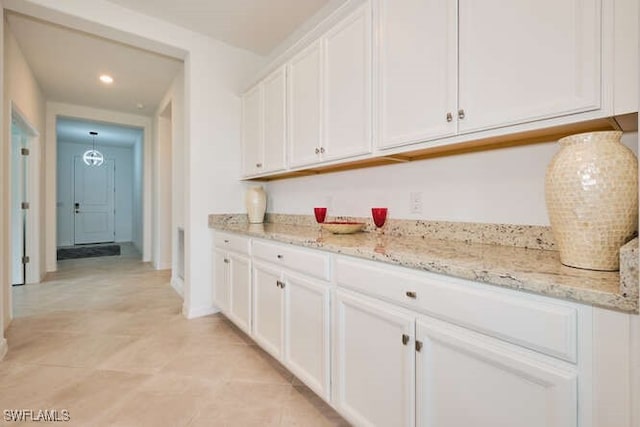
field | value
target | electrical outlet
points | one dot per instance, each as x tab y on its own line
415	202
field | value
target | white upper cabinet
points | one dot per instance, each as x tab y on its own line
416	70
347	74
264	125
527	60
252	130
447	67
330	94
305	106
275	116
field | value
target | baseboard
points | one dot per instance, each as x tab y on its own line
198	312
3	348
178	285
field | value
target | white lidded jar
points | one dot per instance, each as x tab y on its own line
256	202
591	191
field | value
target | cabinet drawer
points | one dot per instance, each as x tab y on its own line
311	263
231	242
527	320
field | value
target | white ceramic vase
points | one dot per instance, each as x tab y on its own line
256	203
591	189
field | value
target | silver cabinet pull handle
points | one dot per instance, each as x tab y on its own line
411	294
461	114
449	117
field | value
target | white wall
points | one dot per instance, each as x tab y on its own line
499	186
172	159
214	73
123	157
21	90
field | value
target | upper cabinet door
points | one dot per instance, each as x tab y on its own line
305	106
252	131
527	60
348	86
416	71
275	132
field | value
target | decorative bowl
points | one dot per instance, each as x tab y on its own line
343	227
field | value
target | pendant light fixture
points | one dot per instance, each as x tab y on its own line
93	157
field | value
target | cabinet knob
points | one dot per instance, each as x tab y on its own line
405	339
226	261
279	256
317	151
258	165
411	294
322	149
418	345
280	284
461	114
226	240
449	117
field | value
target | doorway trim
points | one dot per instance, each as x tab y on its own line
55	110
33	240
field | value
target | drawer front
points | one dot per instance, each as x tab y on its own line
231	242
527	320
311	263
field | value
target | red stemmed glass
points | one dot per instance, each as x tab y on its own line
320	213
379	216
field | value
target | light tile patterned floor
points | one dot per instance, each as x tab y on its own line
104	339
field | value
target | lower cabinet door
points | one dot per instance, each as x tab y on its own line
240	289
268	308
374	361
467	379
307	349
221	294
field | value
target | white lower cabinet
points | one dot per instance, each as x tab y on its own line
232	290
467	379
268	308
394	367
374	361
292	322
307	350
240	291
221	289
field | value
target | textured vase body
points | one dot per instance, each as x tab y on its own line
256	202
591	189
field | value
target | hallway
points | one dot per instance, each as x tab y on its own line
103	338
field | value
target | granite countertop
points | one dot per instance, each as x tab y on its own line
528	269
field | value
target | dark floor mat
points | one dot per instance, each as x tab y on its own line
88	251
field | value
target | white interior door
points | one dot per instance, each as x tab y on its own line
18	195
94	194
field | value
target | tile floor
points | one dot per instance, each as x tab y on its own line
104	339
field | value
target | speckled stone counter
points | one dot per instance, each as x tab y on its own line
511	265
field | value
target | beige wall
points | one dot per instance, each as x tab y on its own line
23	92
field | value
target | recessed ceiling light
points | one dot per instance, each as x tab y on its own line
106	79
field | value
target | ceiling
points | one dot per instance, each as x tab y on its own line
67	63
77	131
255	25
